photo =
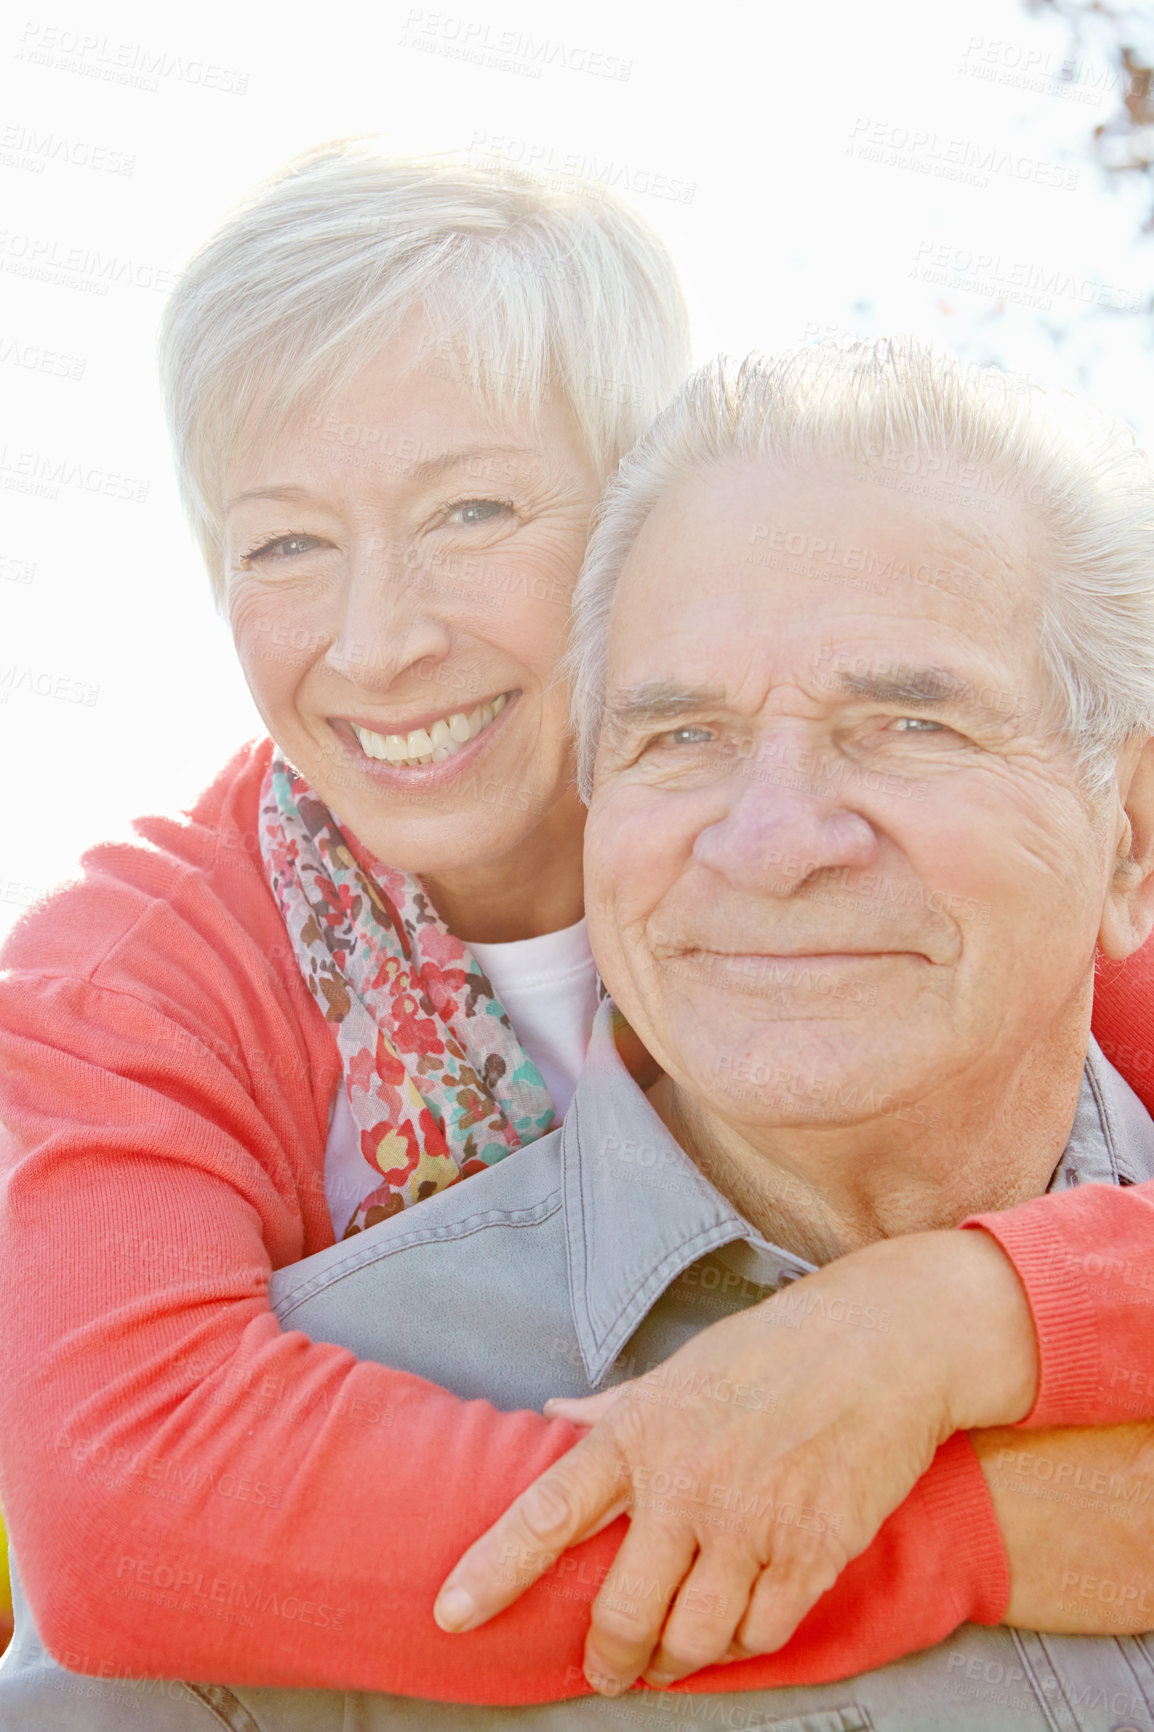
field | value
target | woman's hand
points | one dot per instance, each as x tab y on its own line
764	1455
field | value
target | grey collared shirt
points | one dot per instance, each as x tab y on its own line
627	1251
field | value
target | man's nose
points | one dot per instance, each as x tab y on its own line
782	826
386	618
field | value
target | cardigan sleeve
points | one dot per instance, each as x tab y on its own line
1086	1260
1086	1257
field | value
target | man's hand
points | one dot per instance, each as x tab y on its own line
764	1455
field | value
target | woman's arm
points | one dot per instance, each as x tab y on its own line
163	1158
176	1470
192	1492
1086	1261
1076	1510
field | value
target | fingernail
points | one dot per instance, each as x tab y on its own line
660	1680
454	1609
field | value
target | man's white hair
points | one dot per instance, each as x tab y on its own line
529	290
917	419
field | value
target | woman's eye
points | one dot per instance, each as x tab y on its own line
469	512
284	547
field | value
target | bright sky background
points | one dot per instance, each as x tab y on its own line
796	159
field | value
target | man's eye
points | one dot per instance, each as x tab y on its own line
283	547
918	725
687	736
469	512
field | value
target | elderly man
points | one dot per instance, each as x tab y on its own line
871	778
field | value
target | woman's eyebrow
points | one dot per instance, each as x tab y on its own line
426	468
429	468
289	494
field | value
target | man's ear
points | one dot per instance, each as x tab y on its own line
1128	914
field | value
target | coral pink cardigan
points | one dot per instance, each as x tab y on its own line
192	1492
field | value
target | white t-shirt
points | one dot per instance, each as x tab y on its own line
548	988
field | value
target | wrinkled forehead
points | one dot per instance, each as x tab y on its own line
761	563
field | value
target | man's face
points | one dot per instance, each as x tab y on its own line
836	853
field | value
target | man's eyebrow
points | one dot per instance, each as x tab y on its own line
921	687
664	700
658	701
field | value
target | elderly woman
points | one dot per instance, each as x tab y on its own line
356	973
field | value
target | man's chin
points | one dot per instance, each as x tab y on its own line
806	1073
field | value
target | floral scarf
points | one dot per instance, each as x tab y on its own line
438	1083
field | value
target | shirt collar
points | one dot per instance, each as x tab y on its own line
638	1212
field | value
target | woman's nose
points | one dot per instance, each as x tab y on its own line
387	618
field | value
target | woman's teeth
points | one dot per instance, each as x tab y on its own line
430	745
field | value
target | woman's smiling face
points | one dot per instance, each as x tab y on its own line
399	569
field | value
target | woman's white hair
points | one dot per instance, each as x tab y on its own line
528	289
917	419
